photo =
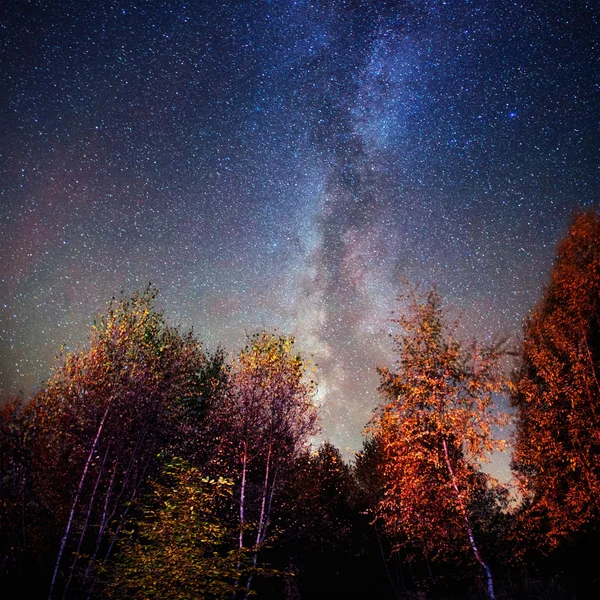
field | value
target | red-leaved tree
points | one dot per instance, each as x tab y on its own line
434	429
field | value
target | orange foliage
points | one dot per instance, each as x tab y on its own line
434	430
557	393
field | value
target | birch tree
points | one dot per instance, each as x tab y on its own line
268	417
435	428
88	440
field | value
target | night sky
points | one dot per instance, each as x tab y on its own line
288	164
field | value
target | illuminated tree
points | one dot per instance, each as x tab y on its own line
265	422
557	394
179	548
88	440
434	429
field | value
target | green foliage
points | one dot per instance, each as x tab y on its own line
179	547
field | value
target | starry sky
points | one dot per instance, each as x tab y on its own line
288	164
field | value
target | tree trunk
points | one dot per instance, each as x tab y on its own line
63	541
242	496
85	524
242	512
463	510
261	521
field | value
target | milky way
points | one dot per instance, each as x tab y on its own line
288	165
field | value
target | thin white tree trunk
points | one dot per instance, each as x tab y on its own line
118	529
261	521
242	496
263	503
65	536
242	513
108	517
268	515
85	525
463	510
103	522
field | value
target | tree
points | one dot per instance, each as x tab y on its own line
369	474
434	429
179	548
17	536
317	499
557	394
316	522
265	422
89	439
122	396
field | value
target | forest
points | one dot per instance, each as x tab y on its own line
146	467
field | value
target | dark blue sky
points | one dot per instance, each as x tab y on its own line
287	164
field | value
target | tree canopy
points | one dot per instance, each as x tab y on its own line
557	393
146	467
434	428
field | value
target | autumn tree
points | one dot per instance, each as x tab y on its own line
557	395
265	423
119	401
435	428
88	440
